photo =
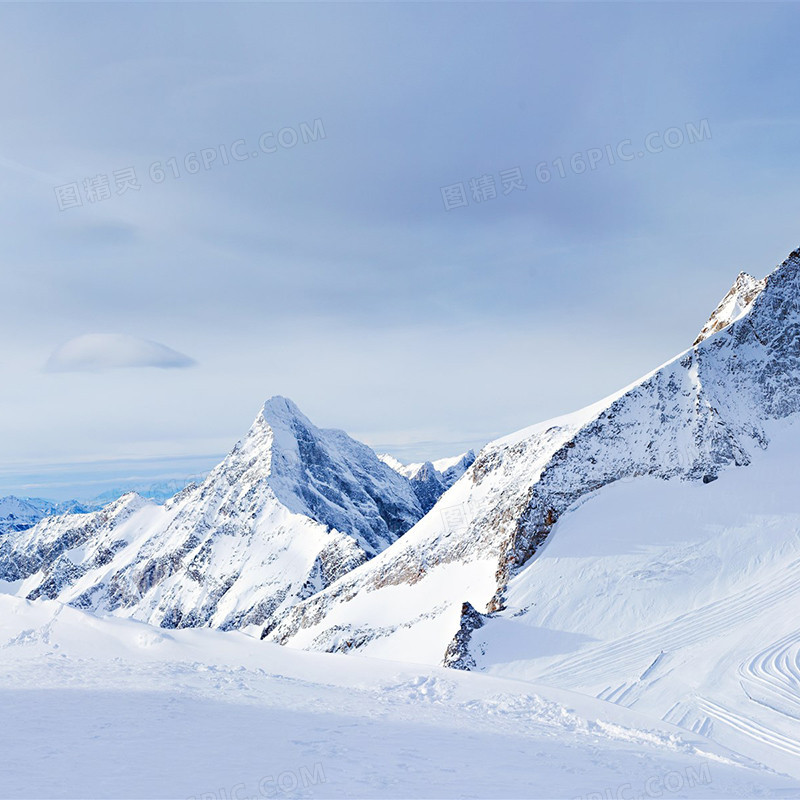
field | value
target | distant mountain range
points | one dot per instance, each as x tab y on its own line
431	479
19	513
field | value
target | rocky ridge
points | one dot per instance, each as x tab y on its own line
704	411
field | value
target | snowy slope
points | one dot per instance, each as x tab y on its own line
289	510
711	408
115	708
618	588
675	598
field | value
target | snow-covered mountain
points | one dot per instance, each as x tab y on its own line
431	479
644	550
720	404
19	513
290	509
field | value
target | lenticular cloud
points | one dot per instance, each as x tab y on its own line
98	352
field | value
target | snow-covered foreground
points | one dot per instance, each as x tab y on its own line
115	708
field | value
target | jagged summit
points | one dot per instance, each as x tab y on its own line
733	306
299	526
741	296
328	476
644	551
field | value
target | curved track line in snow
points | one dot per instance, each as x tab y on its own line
772	677
749	727
633	653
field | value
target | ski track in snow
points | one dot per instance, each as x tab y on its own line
768	710
635	652
772	677
761	733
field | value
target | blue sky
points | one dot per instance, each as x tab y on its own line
329	270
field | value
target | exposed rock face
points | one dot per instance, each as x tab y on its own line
733	306
291	509
428	486
702	412
451	469
300	533
333	479
458	654
42	549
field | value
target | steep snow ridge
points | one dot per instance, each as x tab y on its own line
289	510
451	469
445	465
733	306
690	419
454	549
406	470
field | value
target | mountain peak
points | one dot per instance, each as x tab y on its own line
325	475
290	509
733	306
279	407
782	287
793	258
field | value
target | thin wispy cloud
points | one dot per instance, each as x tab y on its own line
100	352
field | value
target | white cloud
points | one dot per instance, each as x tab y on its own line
98	352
